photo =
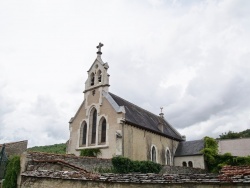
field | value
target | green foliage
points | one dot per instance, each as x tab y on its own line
91	152
215	162
125	165
232	135
56	148
12	171
210	152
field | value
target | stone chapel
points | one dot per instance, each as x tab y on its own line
118	127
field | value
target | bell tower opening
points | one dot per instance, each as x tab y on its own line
92	79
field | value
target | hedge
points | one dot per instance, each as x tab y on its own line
125	165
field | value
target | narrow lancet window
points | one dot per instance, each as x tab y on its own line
103	133
99	76
83	134
153	154
168	157
92	79
93	136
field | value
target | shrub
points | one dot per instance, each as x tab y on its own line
122	164
125	165
12	171
215	162
93	152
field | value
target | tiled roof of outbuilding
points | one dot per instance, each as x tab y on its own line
137	116
189	148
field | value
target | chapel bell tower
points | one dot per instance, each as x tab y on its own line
98	77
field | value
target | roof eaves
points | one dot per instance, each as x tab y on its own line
197	154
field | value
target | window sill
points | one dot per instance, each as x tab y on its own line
92	146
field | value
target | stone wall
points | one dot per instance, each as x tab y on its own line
181	170
15	148
51	170
52	179
46	161
89	164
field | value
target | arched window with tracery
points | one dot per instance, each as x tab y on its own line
153	154
92	126
102	131
83	134
99	74
92	79
184	163
168	157
190	164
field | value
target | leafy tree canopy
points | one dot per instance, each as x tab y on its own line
232	135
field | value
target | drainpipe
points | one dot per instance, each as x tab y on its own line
172	152
123	137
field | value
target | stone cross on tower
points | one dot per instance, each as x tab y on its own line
99	48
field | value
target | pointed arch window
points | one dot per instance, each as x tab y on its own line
168	157
99	76
83	134
102	131
92	127
92	79
153	154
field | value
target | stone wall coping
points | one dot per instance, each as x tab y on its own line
138	177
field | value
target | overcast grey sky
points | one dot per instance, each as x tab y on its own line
191	57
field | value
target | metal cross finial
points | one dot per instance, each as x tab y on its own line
161	114
99	48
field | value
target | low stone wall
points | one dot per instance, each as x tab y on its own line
42	170
89	164
62	179
92	164
181	170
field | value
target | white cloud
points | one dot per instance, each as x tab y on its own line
189	56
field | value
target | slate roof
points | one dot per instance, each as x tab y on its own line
189	148
139	117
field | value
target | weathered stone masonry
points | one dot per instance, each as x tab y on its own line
50	170
79	179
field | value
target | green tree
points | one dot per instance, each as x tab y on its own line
233	135
210	152
12	171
